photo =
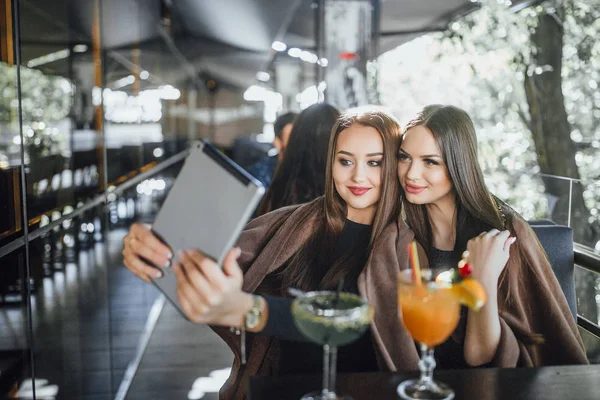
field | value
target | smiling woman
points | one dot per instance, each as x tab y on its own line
421	168
526	320
352	235
357	171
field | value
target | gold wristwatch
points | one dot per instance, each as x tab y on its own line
254	314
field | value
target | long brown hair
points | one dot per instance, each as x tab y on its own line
307	266
300	176
477	210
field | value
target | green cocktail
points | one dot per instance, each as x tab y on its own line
331	320
324	322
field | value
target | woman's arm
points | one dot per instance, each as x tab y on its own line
211	295
534	310
488	255
280	323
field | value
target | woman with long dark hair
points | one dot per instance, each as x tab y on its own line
526	320
352	232
300	176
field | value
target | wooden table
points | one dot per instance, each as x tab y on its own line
561	383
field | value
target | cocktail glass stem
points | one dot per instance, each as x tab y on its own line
425	387
329	371
426	365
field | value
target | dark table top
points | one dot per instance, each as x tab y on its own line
581	382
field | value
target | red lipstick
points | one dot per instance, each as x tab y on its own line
415	189
358	190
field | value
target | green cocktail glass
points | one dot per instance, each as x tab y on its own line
331	319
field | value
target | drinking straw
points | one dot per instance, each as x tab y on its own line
337	292
414	258
336	302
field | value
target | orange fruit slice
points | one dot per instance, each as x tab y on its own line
469	292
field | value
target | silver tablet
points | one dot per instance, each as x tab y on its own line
209	204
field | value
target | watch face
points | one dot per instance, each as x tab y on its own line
253	315
252	318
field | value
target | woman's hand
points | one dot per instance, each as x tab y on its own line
209	294
488	255
140	243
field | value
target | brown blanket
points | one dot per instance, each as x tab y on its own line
537	306
532	301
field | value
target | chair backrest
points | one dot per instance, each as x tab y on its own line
541	222
557	241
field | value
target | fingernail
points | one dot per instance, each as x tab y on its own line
158	274
170	255
238	252
513	240
167	264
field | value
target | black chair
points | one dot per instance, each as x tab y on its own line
541	222
557	241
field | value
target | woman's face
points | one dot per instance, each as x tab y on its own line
421	169
357	170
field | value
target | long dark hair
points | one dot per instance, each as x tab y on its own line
301	175
306	268
477	210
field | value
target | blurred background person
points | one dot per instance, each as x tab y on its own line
264	169
300	176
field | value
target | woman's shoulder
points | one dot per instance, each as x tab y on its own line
405	234
530	251
270	232
510	217
294	213
395	235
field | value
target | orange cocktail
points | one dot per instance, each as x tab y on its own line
430	314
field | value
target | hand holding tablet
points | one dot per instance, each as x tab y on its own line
206	209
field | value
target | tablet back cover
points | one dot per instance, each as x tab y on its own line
209	204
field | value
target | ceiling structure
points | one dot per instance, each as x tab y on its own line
227	40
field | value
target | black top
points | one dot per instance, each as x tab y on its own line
442	259
297	354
